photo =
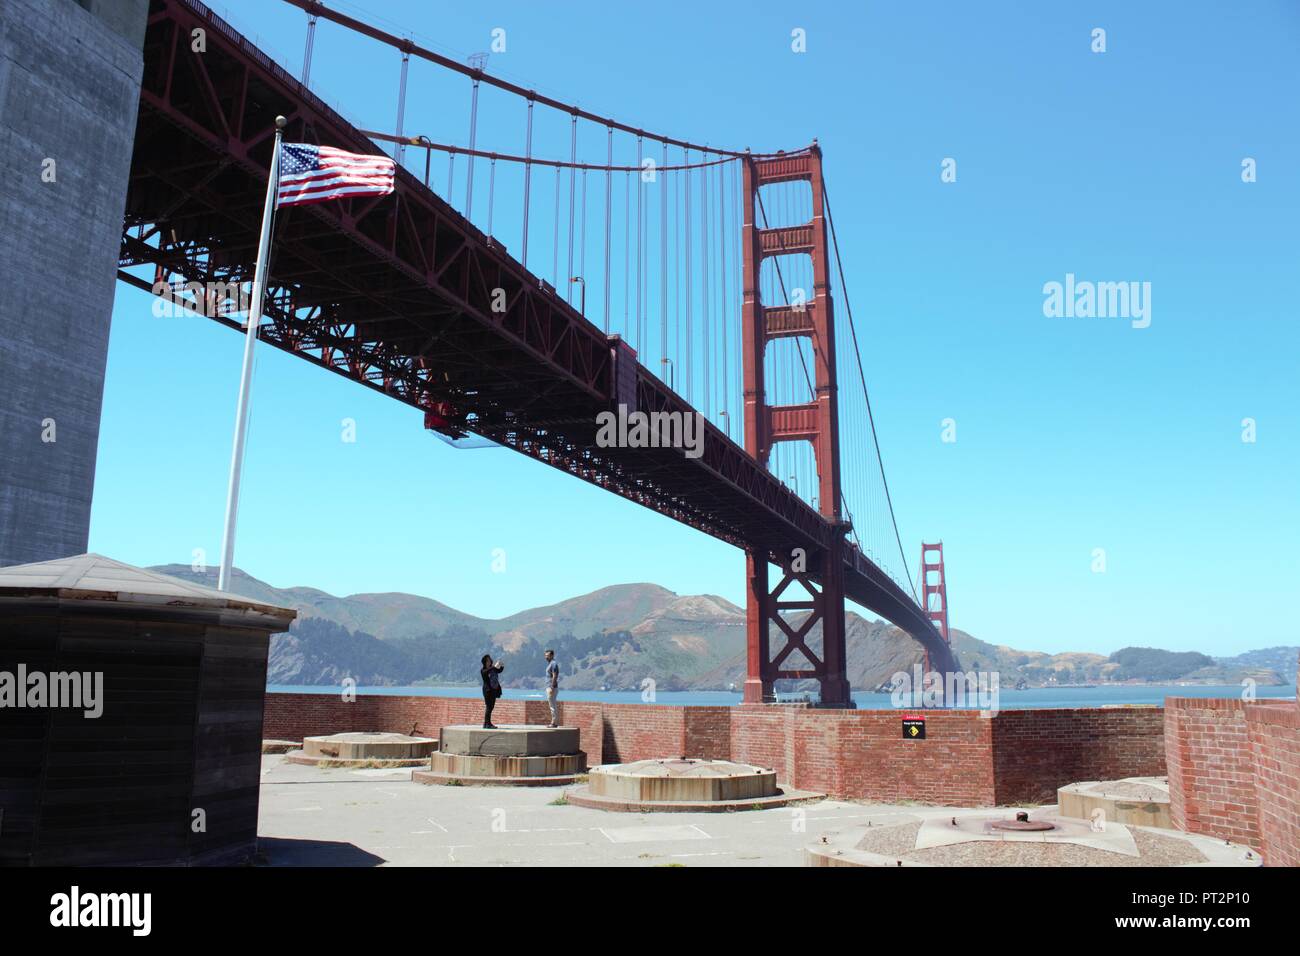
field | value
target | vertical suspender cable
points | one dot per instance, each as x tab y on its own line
640	198
738	219
492	190
582	258
573	171
555	240
609	204
688	365
528	176
677	283
705	356
663	264
306	53
725	311
627	249
401	105
473	133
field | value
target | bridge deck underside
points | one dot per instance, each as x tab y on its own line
397	293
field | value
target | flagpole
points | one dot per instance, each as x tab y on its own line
246	376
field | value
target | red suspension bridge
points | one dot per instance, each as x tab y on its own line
587	265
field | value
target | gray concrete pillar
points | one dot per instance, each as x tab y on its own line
69	91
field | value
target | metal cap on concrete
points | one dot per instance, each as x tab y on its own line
93	578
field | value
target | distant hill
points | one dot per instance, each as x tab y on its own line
615	637
1280	660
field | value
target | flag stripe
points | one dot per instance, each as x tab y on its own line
336	194
335	163
353	190
326	178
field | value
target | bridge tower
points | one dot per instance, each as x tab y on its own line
820	574
936	611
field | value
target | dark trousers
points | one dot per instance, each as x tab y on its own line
489	701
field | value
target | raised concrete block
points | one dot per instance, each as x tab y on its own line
512	740
682	780
1139	800
369	746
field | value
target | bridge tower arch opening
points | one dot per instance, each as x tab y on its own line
773	611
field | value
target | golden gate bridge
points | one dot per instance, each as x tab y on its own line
524	286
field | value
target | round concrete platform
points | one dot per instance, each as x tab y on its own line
510	755
971	838
435	778
583	797
364	750
1139	800
681	784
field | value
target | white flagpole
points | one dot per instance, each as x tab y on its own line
246	378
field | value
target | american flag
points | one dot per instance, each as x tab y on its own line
319	173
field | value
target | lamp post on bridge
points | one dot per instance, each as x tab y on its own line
583	302
428	154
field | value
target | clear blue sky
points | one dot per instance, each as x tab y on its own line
1072	434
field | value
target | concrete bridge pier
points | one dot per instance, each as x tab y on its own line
69	93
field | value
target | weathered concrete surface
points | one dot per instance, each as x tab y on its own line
514	740
69	91
1139	800
1114	846
555	765
679	780
379	817
784	797
509	756
376	746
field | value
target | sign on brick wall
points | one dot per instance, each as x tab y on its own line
913	727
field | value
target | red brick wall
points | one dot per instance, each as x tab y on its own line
1017	756
294	716
1234	772
1211	770
636	731
1275	747
1035	752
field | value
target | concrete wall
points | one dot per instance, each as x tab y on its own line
965	760
69	92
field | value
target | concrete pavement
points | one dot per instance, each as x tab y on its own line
342	817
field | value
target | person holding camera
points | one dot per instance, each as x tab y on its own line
491	688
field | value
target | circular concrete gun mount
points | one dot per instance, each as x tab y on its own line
364	750
944	837
511	755
680	784
1143	801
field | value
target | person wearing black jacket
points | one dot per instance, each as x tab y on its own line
491	688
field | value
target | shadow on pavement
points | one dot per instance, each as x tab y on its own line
277	851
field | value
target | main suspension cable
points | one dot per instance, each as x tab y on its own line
862	377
